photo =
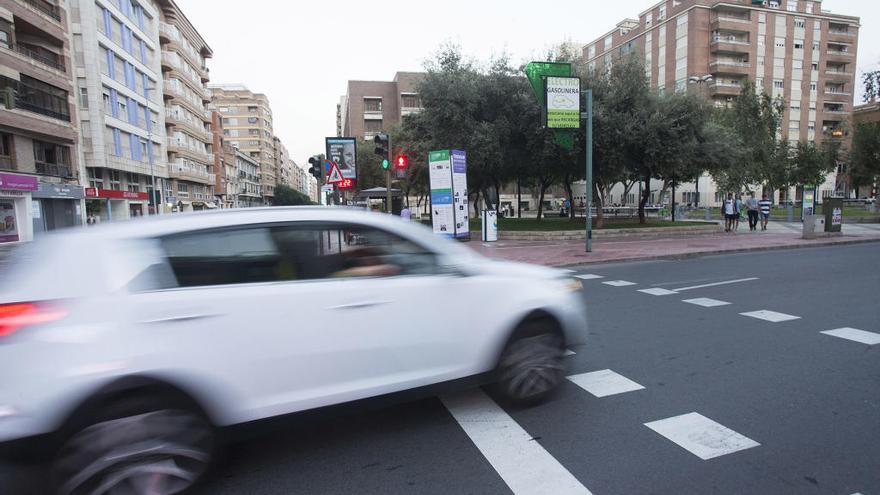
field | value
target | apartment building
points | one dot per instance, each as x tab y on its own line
118	76
370	107
191	161
247	125
282	162
39	164
247	168
788	48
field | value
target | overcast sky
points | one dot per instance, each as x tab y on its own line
301	53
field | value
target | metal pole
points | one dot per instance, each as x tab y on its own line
589	178
673	199
388	178
150	155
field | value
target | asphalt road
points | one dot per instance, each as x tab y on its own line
697	400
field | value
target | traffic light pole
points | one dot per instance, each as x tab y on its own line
388	180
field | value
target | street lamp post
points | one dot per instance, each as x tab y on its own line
699	80
149	125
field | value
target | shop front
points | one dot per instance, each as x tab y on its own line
57	206
15	207
104	205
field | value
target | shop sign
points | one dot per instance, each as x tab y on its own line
59	191
92	192
8	227
17	182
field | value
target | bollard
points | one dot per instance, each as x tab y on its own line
790	212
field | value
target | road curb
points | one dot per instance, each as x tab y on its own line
684	256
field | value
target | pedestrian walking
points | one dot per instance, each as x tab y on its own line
752	207
739	210
731	213
764	205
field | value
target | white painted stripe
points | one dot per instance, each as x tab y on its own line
604	383
566	270
657	291
701	436
771	316
517	457
569	352
588	276
619	283
706	302
717	284
855	334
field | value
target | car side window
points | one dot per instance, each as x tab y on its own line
336	250
226	256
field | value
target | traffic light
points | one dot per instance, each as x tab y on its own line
383	149
315	168
401	162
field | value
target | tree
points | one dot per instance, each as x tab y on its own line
809	164
287	196
369	168
871	82
756	120
865	155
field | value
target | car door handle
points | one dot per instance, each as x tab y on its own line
182	318
360	305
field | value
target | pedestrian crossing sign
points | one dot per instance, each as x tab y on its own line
335	175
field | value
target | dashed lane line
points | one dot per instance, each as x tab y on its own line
701	436
657	291
524	465
715	284
604	383
619	283
854	334
706	302
771	316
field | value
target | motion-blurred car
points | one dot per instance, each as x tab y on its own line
129	345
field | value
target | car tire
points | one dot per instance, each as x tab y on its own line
532	364
135	446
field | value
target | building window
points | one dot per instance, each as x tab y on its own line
410	101
372	126
373	105
797	64
253	120
36	96
815	46
809	7
52	159
608	42
134	183
778	83
800	23
791	6
4	35
115	183
662	13
591	51
813	88
780	42
95	178
798	44
815	66
7	161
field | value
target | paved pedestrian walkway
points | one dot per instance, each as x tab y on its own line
780	235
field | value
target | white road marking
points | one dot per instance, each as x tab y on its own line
855	334
657	291
604	383
716	284
771	316
619	283
706	302
566	270
701	436
569	352
588	276
514	454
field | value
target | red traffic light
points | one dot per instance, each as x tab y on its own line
402	161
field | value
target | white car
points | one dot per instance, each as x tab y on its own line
127	346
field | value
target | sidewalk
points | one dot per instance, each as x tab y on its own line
780	235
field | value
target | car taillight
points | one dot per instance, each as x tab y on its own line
15	316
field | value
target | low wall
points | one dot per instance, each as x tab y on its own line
570	235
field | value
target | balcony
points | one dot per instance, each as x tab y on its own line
841	35
839	55
725	88
181	173
195	155
54	63
838	75
730	45
53	169
6	163
730	23
45	8
730	67
841	111
192	128
837	95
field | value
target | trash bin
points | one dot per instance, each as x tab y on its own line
833	210
490	226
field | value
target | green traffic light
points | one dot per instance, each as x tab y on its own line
385	164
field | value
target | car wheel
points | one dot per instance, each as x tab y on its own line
135	449
531	366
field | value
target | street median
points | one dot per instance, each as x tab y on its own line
617	233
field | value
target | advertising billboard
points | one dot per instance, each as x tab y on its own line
343	152
449	204
563	102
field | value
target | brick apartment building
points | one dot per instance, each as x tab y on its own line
370	107
39	164
788	48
